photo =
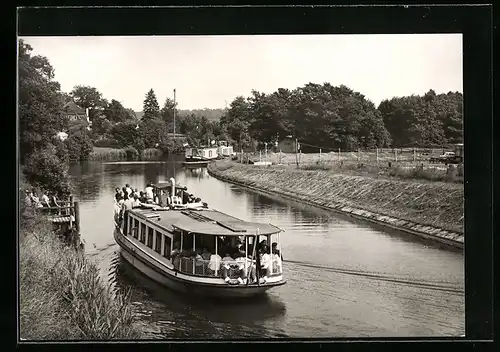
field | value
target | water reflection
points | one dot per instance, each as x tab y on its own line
239	314
319	299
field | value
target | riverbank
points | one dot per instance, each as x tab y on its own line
428	209
62	296
115	154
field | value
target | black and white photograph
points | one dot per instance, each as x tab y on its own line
228	187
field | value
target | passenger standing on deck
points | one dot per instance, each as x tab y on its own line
214	263
129	190
136	203
118	194
265	260
127	205
149	192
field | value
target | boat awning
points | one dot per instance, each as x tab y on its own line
212	222
167	185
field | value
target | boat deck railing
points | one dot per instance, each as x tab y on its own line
233	269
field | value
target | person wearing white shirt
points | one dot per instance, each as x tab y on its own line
136	202
265	261
246	267
214	263
45	199
149	192
128	189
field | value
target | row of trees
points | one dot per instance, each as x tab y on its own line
338	117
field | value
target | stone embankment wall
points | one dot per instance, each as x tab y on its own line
431	210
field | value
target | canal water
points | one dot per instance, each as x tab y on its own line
345	278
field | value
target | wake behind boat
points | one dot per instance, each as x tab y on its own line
191	248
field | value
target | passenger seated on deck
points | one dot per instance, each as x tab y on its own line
129	190
205	254
136	192
245	266
228	265
127	205
142	197
117	194
265	261
214	264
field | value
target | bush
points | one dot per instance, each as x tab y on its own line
44	169
79	144
131	153
107	143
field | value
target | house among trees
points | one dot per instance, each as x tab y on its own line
75	112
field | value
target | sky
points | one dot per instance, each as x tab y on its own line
210	71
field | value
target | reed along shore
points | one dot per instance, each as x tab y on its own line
62	294
429	209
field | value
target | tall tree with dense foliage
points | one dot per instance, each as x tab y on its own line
89	97
115	112
424	121
237	121
40	102
167	115
151	108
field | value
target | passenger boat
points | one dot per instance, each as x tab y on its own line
165	243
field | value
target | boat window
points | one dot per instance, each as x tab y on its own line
143	233
158	242
167	247
135	229
150	237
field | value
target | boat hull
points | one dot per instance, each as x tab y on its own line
196	163
176	283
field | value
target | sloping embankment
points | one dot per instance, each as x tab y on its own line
429	209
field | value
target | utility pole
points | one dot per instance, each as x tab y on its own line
174	113
297	152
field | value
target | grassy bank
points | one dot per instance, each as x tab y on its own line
62	295
437	204
115	154
366	164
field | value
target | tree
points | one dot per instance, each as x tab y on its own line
167	115
44	169
152	132
40	102
237	121
79	144
115	112
151	108
101	127
89	97
125	133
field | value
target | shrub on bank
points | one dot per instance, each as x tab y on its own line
62	295
107	154
151	153
131	153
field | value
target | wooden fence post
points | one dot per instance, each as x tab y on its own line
395	155
77	216
319	154
414	155
377	154
339	155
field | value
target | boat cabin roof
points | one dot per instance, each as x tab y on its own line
207	222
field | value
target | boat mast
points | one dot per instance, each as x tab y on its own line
174	113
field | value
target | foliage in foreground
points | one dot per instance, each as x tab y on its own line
62	295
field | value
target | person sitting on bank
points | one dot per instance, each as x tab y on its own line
53	202
27	198
45	199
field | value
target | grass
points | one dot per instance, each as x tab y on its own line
438	204
113	154
62	295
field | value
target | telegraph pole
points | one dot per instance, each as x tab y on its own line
174	113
